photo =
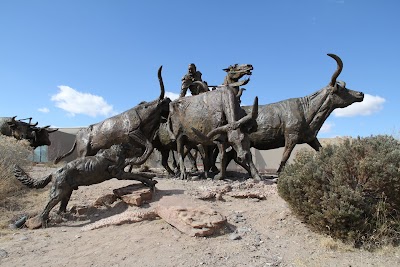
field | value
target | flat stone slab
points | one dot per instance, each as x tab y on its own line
135	194
248	194
189	216
105	200
123	218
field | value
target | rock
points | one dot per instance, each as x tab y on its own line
3	253
23	238
129	189
134	194
34	223
125	217
79	210
247	194
210	193
105	200
190	216
235	236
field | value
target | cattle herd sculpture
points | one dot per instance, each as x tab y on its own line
37	136
211	121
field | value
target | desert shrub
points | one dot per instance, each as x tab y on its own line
12	152
349	191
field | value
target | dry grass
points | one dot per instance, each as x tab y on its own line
11	152
335	245
14	197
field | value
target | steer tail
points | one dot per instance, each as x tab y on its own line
25	179
57	160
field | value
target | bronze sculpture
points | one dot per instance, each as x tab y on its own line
212	117
298	120
37	136
164	144
105	165
234	73
136	126
190	81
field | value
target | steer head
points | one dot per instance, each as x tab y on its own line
19	129
41	136
236	72
340	96
238	138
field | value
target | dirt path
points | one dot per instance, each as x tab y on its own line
259	233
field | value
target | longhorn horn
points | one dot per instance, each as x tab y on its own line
34	125
161	84
219	130
52	131
46	127
30	119
13	118
254	111
338	70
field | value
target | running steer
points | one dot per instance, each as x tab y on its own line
212	117
298	120
105	165
136	126
37	136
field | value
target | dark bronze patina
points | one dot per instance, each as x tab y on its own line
105	165
208	118
298	120
234	73
165	145
37	136
136	126
192	81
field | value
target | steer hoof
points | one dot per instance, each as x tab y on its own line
218	177
257	177
183	176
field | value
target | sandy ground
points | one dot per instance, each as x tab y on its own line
258	233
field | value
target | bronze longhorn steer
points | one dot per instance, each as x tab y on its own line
136	126
37	136
208	118
298	120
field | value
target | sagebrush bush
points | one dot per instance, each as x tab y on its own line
12	152
349	191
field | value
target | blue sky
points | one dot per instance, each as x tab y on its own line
75	63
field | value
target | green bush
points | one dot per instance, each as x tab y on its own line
349	191
12	152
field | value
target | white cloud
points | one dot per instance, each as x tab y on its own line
75	102
44	110
326	127
171	95
370	105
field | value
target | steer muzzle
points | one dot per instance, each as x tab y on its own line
240	142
